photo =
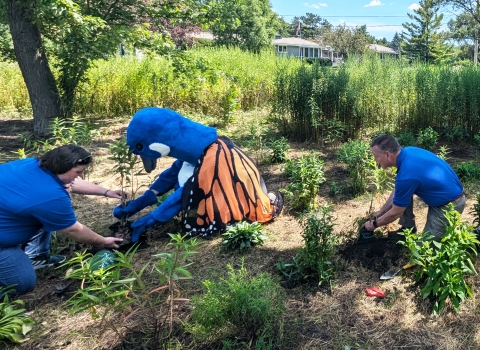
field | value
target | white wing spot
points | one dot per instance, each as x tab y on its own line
161	148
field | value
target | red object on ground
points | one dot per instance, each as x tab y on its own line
374	292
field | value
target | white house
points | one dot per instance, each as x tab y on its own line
302	48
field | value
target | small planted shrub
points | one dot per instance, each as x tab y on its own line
124	165
124	289
335	189
14	324
356	155
249	308
444	264
314	261
279	149
427	138
306	175
243	235
63	131
333	131
443	152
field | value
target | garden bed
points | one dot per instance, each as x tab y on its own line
325	317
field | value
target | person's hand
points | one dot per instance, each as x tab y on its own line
134	206
118	194
111	242
369	225
141	225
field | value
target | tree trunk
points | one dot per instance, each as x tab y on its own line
33	63
475	51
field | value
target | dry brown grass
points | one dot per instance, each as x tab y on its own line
316	318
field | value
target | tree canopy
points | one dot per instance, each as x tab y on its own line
311	26
422	38
249	24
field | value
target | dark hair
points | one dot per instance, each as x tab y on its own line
386	143
64	158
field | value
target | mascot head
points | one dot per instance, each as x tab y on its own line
158	132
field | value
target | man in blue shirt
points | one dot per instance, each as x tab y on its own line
419	172
35	201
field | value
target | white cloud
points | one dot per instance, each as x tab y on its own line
414	7
374	3
315	6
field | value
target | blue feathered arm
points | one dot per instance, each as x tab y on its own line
165	182
166	211
134	206
168	178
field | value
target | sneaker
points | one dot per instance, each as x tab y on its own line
277	201
42	261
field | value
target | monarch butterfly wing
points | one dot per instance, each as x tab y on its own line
225	188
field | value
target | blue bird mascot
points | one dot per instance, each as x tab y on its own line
215	184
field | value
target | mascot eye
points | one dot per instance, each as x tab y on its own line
139	146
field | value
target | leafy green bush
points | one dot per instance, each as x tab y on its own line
454	134
468	172
314	261
248	308
444	264
356	155
243	235
427	138
406	138
279	148
305	175
14	324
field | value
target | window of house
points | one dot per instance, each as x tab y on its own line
282	49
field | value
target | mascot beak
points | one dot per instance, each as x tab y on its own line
149	164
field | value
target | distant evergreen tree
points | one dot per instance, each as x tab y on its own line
383	42
422	39
396	42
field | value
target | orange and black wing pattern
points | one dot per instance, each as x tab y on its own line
225	188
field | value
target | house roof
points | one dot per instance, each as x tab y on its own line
295	42
202	35
382	49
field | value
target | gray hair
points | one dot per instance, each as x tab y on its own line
386	143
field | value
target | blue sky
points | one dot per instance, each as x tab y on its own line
382	17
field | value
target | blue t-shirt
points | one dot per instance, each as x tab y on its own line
423	173
31	199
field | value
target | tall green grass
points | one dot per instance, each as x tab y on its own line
213	81
363	95
370	94
14	101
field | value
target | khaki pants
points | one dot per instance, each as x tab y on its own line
436	221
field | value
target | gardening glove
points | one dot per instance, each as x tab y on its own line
134	206
141	225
